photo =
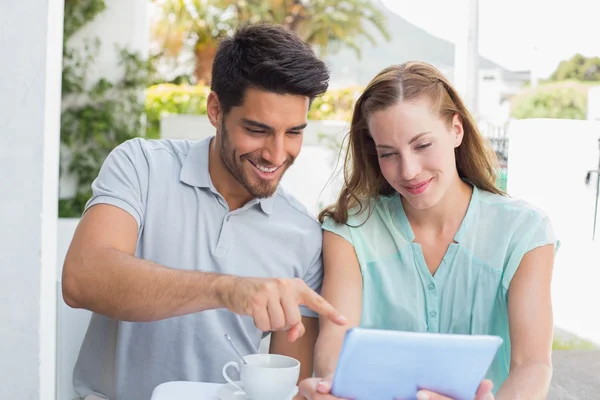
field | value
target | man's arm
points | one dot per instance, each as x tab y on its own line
531	326
102	274
302	349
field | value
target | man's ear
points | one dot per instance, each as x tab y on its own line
214	110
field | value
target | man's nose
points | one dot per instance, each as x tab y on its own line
274	151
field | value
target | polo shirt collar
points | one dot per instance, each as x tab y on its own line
194	172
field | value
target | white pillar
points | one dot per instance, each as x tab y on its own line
466	53
30	94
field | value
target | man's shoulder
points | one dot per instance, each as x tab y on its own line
288	204
156	147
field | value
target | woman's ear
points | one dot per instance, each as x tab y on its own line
457	130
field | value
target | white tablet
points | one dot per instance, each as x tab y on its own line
386	365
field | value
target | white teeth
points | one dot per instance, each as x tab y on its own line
265	169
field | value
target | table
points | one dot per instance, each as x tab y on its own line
181	390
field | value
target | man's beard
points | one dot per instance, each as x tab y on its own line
233	163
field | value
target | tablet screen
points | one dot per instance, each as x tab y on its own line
381	364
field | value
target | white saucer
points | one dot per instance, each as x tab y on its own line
228	392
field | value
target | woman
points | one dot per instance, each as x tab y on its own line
421	239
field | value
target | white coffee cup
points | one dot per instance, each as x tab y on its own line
266	376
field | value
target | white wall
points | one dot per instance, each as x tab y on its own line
122	24
593	111
548	161
30	86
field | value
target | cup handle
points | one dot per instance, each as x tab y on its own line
227	378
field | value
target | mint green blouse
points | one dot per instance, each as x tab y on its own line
468	293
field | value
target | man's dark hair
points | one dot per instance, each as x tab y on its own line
267	57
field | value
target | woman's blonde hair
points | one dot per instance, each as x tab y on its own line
363	179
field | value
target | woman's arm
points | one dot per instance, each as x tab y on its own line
342	287
531	327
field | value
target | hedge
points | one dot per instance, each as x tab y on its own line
561	100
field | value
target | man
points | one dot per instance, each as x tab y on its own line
183	242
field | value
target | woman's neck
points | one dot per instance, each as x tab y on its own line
445	215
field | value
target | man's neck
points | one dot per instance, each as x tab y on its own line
234	194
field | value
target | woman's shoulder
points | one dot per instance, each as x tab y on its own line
362	219
509	208
516	227
514	221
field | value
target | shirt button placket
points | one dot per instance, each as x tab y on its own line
223	236
432	311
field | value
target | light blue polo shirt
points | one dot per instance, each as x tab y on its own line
185	223
468	293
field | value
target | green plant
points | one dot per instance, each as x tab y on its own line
501	179
578	67
78	13
96	116
164	99
561	100
335	104
196	26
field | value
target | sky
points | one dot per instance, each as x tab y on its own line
510	30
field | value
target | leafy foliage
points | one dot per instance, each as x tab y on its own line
164	99
580	68
96	116
200	24
561	100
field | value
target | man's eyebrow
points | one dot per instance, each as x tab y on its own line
257	124
299	127
266	127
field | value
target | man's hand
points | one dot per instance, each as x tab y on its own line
274	303
483	393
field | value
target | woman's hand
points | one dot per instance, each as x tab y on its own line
483	393
317	388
